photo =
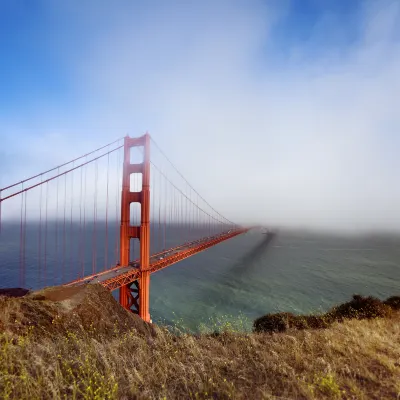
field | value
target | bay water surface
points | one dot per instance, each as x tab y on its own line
248	276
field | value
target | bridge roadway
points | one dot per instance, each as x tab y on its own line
121	275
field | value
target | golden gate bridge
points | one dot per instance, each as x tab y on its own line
56	226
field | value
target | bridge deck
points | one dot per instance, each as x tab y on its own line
118	276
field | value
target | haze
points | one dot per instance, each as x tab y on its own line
278	112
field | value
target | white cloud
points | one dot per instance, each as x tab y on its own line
314	143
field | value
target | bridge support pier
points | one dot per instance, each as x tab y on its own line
129	297
135	295
144	295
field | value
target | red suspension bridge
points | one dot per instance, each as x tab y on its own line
87	221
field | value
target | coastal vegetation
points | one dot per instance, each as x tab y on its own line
78	343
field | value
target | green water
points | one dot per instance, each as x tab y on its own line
248	276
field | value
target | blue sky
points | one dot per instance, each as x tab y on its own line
312	86
35	37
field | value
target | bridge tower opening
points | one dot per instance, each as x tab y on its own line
135	295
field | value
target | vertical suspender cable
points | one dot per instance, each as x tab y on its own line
159	215
171	208
64	249
24	264
24	249
40	236
165	211
84	228
45	234
80	244
106	244
181	208
117	256
94	252
58	171
21	244
188	216
0	212
71	236
152	208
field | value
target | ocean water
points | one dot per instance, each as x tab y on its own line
295	271
249	275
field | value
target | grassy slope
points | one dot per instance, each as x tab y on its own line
74	350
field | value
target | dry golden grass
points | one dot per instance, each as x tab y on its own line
74	356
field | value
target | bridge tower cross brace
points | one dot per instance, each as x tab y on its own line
135	295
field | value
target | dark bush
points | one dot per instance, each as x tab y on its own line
393	302
311	322
360	308
272	322
280	322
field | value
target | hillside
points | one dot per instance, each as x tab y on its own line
79	343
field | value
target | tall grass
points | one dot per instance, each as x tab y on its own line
94	359
356	359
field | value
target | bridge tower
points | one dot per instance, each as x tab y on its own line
135	295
